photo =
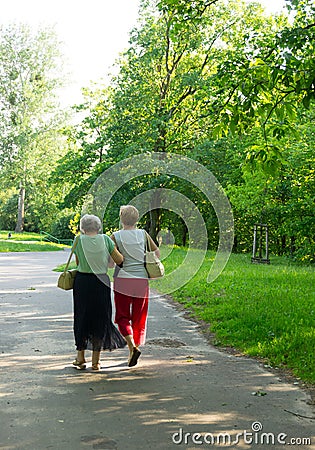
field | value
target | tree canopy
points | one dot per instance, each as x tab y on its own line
30	120
220	82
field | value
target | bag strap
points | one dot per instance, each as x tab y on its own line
72	251
148	242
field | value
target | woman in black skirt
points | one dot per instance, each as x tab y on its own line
93	326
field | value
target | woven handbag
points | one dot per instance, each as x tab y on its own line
152	264
66	278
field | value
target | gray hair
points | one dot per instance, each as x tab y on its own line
90	224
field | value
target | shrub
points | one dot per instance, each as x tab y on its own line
61	227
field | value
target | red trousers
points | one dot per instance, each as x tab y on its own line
131	297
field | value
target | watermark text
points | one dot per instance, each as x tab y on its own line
254	437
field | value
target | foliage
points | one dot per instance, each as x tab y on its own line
74	224
160	100
61	228
269	82
222	83
8	202
29	118
86	157
285	202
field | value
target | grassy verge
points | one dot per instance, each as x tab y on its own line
264	311
61	267
26	242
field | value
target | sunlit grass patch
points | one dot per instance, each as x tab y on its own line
20	236
26	242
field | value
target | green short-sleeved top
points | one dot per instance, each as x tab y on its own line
93	253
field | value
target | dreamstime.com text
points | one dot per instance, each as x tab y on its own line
254	437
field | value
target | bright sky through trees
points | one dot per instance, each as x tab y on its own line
93	33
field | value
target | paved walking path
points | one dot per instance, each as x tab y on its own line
182	386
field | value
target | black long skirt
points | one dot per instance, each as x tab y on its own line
93	326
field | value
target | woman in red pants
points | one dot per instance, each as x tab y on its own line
131	287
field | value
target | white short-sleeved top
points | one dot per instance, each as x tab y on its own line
131	244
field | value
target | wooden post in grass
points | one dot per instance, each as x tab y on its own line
260	259
255	242
267	247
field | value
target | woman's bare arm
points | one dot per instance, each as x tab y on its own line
111	262
116	256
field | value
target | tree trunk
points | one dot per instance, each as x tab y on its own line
292	245
184	234
20	219
283	244
155	219
155	214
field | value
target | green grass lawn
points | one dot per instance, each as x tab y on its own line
264	311
26	242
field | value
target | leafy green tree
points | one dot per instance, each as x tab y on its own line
269	87
224	84
285	202
87	149
169	95
29	118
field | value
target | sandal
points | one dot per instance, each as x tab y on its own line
134	357
96	366
79	364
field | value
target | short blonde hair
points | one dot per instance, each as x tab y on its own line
90	223
129	215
